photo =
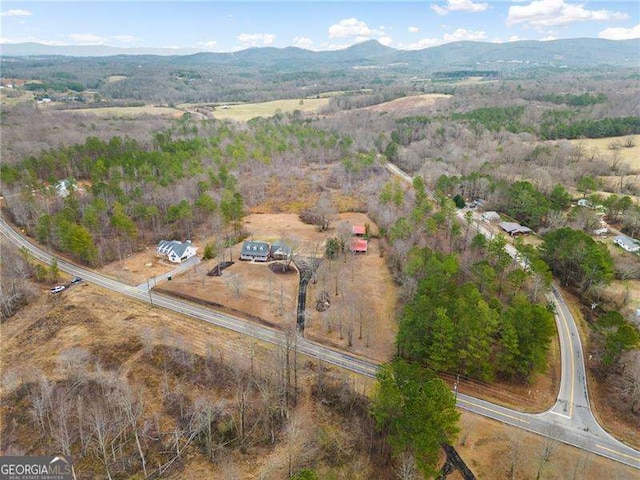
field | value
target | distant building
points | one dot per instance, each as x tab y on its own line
490	216
258	251
513	228
627	243
601	231
358	245
63	186
174	251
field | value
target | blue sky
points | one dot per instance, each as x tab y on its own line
328	25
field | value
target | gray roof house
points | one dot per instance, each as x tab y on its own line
280	250
175	251
627	243
513	228
252	250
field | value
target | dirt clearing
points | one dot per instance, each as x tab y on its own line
138	268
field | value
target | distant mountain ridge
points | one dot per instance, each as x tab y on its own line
580	52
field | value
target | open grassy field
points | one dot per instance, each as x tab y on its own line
247	111
600	146
406	104
129	112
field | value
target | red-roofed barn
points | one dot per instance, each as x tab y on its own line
358	245
359	230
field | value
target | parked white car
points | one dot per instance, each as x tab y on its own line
58	289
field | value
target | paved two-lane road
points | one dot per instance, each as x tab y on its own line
549	424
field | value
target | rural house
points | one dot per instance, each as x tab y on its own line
513	228
252	250
174	251
358	245
280	251
627	243
490	216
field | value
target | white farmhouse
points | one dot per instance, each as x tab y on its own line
174	251
628	244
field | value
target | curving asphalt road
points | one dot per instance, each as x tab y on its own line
569	421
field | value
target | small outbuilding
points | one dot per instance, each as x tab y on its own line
174	251
490	216
627	243
513	228
359	230
255	251
358	245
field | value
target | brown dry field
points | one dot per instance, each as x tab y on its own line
488	448
600	146
128	112
409	103
133	270
100	321
253	289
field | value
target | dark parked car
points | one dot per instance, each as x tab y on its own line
76	280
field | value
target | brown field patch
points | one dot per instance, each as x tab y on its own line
246	111
138	268
128	112
490	449
116	78
405	104
601	148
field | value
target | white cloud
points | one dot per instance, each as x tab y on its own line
350	27
422	43
620	33
16	13
334	46
439	10
467	6
413	29
32	40
126	38
462	34
549	13
87	39
303	42
209	44
514	38
256	39
385	40
548	38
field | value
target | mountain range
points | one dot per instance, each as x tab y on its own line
580	52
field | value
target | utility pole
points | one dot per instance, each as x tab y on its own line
149	290
455	387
